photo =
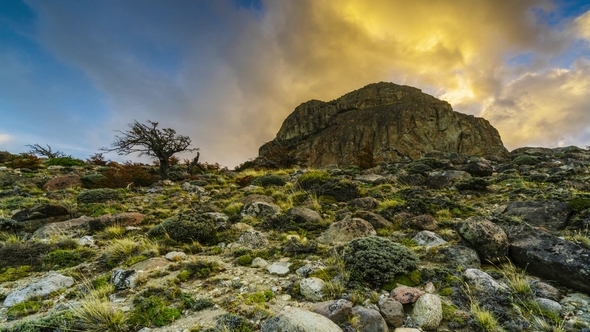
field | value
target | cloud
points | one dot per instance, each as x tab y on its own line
228	76
546	109
4	138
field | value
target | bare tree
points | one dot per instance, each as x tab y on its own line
148	140
37	149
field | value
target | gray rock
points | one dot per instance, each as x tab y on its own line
304	215
346	230
486	288
392	311
312	288
260	210
458	255
423	222
552	258
256	198
576	307
259	262
376	220
86	240
549	305
548	214
299	320
364	203
175	256
280	268
370	178
51	283
123	279
61	227
370	320
488	239
443	179
252	239
309	268
544	290
218	216
478	169
337	310
428	239
428	311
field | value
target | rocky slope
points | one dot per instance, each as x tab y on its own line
392	120
447	242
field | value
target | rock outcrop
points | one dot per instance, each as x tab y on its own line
394	121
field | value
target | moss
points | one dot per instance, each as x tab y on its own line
196	304
312	179
66	258
234	323
100	282
12	274
525	159
269	180
135	259
199	269
24	308
98	196
257	297
63	321
269	294
378	260
446	291
324	274
64	161
579	204
413	278
245	260
152	311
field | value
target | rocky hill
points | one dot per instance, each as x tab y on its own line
446	242
391	120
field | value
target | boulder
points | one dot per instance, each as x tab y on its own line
427	312
458	255
376	220
550	257
304	215
370	178
489	240
423	222
443	179
392	311
51	283
478	169
370	320
364	203
549	305
549	214
544	290
299	320
279	268
34	217
124	279
336	310
312	288
259	262
61	227
486	288
394	121
428	239
175	256
252	239
63	182
260	210
346	230
256	198
405	294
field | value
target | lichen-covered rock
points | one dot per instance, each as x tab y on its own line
260	210
392	311
376	220
428	239
550	257
124	219
32	218
312	288
364	203
458	255
370	320
61	228
428	311
549	214
299	320
279	268
486	288
346	230
423	222
489	240
393	120
336	310
252	239
51	283
406	295
124	279
304	215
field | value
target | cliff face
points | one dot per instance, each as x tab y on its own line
391	119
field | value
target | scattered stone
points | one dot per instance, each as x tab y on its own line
51	283
484	287
478	169
61	227
428	239
124	279
370	178
544	290
252	239
309	268
86	240
423	222
550	257
218	216
259	262
304	215
549	305
428	311
549	214
176	256
299	320
336	310
406	329
488	239
260	210
63	182
376	220
280	268
346	230
405	294
458	255
312	288
370	320
392	311
443	179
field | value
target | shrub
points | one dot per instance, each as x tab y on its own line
525	159
97	196
152	311
97	159
186	227
62	321
378	260
199	269
64	161
245	260
269	180
12	274
120	176
233	322
312	179
25	160
93	181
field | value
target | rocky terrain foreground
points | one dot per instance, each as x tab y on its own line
444	242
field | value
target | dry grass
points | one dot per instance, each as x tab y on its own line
96	313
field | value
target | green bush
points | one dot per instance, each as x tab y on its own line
152	311
65	161
12	274
98	196
25	160
245	260
525	159
93	181
269	180
377	260
62	321
186	227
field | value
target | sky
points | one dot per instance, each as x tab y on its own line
227	73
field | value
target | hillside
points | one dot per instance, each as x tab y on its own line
444	242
